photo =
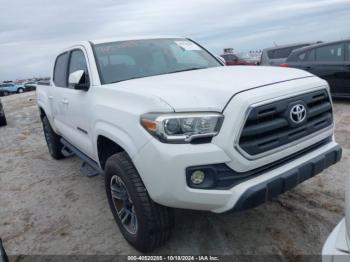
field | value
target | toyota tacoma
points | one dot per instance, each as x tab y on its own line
169	126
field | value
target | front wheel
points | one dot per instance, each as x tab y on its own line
52	140
20	90
143	223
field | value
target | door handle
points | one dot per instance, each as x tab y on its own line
308	67
65	101
50	97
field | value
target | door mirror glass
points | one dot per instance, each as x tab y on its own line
77	80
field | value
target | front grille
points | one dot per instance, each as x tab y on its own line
271	126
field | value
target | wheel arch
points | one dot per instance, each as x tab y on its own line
42	112
107	147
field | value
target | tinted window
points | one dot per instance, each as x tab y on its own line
348	51
120	61
311	55
78	62
302	56
60	71
330	53
282	52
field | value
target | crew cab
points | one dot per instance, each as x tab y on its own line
169	126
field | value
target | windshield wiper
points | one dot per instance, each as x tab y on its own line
189	69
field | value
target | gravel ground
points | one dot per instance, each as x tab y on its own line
47	207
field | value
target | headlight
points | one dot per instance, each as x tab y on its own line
182	127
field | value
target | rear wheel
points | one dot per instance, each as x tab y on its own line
143	223
3	121
52	139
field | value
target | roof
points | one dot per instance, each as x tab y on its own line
289	45
116	39
126	38
319	45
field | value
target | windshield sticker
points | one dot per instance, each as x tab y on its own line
187	45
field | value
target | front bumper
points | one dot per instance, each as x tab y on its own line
277	185
163	171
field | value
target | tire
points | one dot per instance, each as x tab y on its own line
153	221
3	121
52	140
20	90
6	93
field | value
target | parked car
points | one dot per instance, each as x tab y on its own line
330	61
30	86
274	56
3	121
337	245
234	59
10	88
158	118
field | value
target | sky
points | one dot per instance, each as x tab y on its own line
33	32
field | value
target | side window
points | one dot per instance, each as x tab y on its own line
280	53
78	62
60	71
330	53
311	56
348	44
302	56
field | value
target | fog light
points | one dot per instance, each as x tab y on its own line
197	177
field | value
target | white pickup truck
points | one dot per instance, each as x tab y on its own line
169	126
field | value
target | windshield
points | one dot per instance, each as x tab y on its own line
124	60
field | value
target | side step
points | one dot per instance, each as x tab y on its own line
67	152
88	167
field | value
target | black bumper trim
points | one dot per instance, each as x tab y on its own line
222	177
269	189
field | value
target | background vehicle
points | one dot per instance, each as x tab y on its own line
234	59
122	104
30	86
3	121
330	61
274	56
337	246
10	88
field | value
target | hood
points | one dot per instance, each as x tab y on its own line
208	89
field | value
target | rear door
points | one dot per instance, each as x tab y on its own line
59	84
329	65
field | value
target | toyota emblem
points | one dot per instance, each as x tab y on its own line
298	113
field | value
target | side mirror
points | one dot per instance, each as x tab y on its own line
78	81
221	59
